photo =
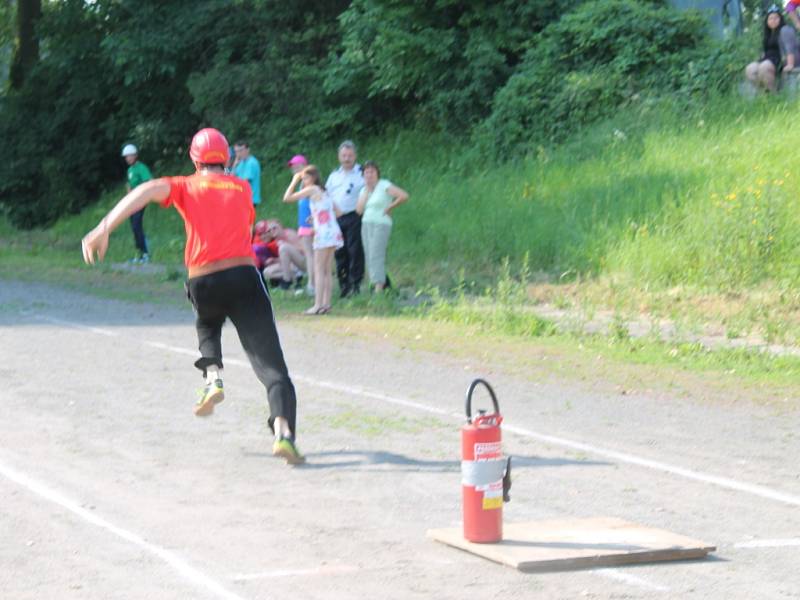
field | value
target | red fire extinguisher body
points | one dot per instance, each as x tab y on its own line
482	472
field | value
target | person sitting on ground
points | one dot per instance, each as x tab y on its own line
780	52
264	247
290	263
791	11
378	198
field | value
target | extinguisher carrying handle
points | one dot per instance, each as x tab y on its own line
471	389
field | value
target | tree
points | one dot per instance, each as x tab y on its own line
26	49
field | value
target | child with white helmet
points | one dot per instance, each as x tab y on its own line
138	173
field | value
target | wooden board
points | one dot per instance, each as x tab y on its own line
562	544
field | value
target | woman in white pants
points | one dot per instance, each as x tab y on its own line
378	198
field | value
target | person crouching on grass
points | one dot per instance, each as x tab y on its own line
327	235
223	282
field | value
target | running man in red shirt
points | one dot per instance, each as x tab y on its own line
217	210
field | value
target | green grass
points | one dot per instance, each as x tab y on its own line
687	216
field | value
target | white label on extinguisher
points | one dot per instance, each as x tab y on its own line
492	495
488	450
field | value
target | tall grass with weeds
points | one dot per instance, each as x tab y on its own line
654	199
500	308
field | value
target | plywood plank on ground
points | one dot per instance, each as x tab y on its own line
561	544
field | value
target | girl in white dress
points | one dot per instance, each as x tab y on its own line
327	235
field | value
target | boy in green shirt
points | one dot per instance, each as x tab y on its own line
138	173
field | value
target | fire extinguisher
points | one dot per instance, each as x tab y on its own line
485	474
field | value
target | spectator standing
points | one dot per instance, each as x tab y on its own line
343	186
247	167
305	225
138	173
378	198
780	52
327	235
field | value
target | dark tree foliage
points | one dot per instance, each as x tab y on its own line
599	58
56	126
26	47
151	72
442	58
264	79
284	75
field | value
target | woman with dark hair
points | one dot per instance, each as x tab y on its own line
780	52
378	198
327	235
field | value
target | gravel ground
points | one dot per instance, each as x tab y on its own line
111	488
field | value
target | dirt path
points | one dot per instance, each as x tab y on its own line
110	488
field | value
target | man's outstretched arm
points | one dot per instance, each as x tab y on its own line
96	241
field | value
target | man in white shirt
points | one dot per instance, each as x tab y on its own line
343	186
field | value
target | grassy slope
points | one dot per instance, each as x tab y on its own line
687	216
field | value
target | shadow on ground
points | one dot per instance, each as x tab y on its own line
363	459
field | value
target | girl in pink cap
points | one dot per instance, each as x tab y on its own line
305	226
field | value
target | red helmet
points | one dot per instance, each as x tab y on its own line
210	147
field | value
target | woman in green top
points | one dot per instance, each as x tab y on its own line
378	198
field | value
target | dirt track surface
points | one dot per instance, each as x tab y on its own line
111	488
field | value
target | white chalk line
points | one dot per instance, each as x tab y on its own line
633	580
724	482
314	571
627	578
623	457
195	576
97	330
779	543
327	570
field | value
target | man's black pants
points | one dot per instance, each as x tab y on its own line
350	257
238	293
138	231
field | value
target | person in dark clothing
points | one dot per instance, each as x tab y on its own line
780	52
223	282
343	186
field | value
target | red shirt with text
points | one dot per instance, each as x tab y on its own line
218	214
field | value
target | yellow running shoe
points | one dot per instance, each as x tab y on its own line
285	448
212	394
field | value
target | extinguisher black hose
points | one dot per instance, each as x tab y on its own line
471	389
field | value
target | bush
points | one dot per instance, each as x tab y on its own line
440	61
599	58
